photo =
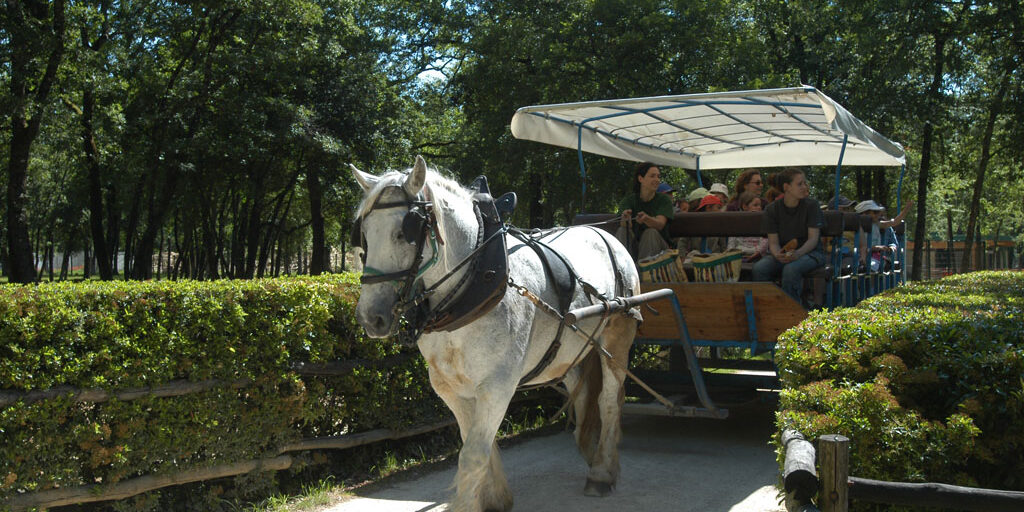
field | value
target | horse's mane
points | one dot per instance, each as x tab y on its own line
437	185
444	192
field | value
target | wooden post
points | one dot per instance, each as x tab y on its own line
834	462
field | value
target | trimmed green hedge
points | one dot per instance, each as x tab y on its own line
121	335
927	380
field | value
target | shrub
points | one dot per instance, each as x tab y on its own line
927	380
243	337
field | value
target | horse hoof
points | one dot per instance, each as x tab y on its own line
597	489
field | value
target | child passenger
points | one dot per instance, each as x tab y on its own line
882	238
752	247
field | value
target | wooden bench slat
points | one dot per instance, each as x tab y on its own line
717	311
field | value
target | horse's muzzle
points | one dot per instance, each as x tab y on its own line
376	315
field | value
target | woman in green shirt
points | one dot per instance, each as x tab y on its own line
645	214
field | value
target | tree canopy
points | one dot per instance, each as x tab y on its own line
211	139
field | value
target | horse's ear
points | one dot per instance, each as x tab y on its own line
367	181
414	182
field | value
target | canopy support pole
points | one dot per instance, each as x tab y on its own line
839	170
700	182
583	170
901	254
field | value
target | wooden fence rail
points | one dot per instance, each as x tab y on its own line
131	487
836	488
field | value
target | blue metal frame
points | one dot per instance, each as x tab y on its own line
837	256
748	300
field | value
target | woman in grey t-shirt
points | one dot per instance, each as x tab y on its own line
793	224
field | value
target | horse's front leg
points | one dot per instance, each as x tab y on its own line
480	482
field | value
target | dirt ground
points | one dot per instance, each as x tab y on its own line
679	464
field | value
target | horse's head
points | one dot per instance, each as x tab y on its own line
394	230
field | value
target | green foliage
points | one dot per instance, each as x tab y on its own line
927	380
245	335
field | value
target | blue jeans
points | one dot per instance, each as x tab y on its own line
792	273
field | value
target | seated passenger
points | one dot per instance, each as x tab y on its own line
850	238
721	191
643	227
752	247
695	196
708	244
681	205
710	203
793	224
748	181
882	238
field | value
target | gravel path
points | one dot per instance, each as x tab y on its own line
679	464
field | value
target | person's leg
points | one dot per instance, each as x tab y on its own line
625	237
651	243
766	268
794	271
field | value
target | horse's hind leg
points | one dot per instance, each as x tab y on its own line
599	429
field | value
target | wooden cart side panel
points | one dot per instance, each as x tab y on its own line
717	311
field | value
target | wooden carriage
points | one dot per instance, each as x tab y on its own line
741	129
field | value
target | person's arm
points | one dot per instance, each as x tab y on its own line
863	249
773	245
657	221
813	234
899	218
627	215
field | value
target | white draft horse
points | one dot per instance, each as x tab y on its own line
476	369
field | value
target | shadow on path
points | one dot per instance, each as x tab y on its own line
680	464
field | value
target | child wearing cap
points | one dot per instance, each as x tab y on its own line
710	244
882	238
720	190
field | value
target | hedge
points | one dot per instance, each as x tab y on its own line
246	337
927	380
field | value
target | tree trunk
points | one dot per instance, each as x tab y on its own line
133	224
93	171
28	107
537	195
142	268
319	263
209	222
934	96
979	179
951	253
64	264
99	239
252	232
21	268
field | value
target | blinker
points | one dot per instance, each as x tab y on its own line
412	224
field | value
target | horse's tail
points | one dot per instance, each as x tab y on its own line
589	428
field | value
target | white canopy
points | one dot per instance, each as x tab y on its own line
766	128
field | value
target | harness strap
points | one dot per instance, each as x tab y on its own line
547	255
620	283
